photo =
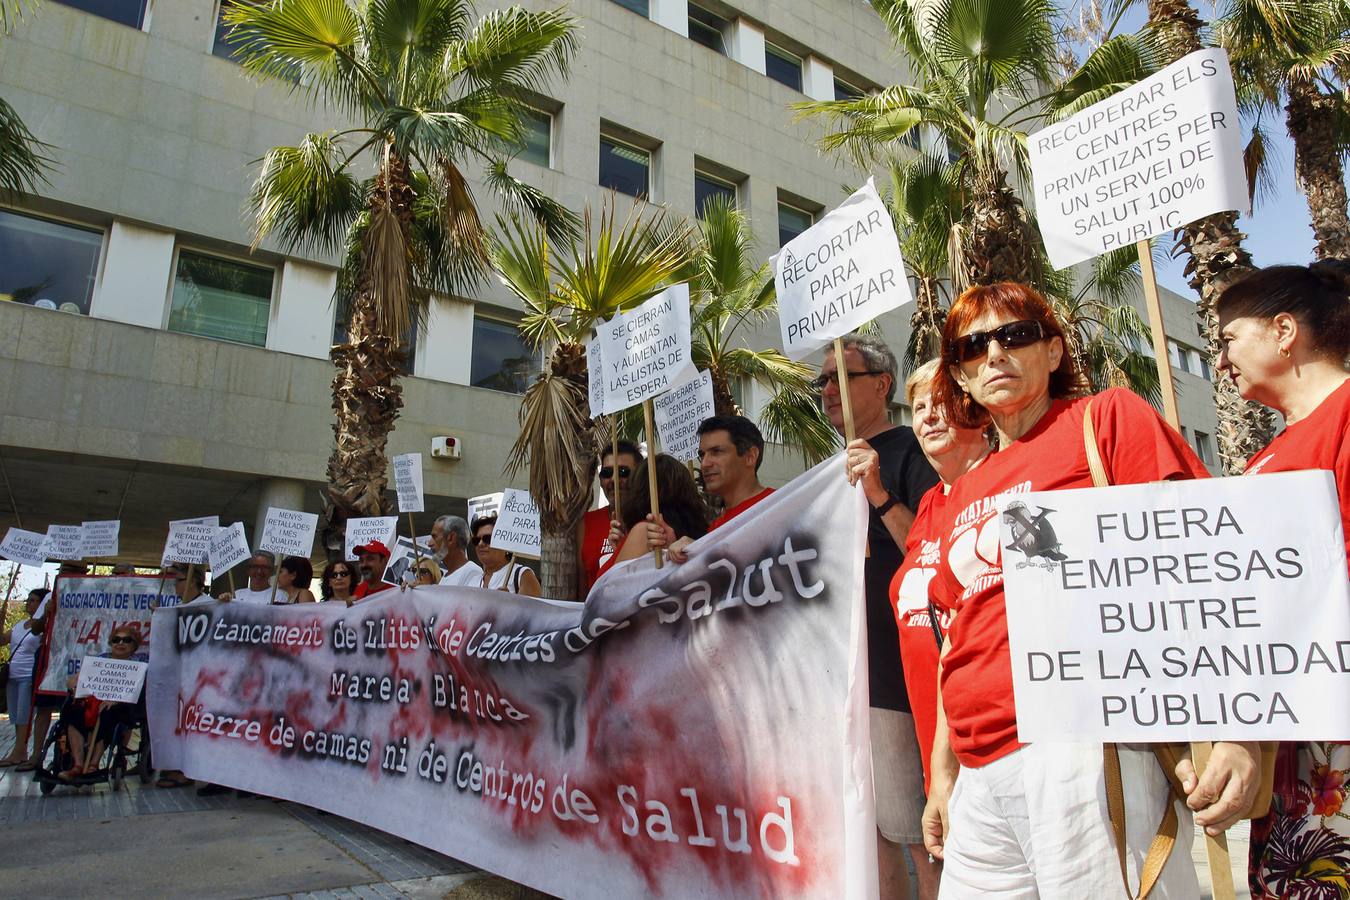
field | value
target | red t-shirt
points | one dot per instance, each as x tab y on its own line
1136	445
596	547
909	598
364	589
1321	441
739	508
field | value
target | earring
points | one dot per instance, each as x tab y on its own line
1284	351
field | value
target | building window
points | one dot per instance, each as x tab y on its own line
226	43
1204	447
625	168
707	28
47	264
706	187
637	6
537	137
783	67
501	360
845	91
127	12
221	299
792	222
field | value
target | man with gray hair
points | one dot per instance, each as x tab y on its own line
889	463
450	540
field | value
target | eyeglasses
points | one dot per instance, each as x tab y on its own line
608	471
426	572
1009	337
481	539
833	377
123	640
340	573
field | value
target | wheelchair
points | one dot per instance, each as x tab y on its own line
126	751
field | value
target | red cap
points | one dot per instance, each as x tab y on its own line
375	547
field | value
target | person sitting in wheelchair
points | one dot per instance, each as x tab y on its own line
82	717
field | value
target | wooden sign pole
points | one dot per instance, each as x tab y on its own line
651	471
614	514
841	373
276	576
13	580
417	551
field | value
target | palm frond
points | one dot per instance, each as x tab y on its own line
552	415
793	417
388	259
448	233
24	162
522	260
517	48
1117	64
522	198
12	13
305	195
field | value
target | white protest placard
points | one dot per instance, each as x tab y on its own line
100	538
27	548
67	541
484	505
840	273
229	547
288	532
595	378
1150	159
517	528
645	351
188	542
113	680
679	412
408	482
362	531
213	521
1215	609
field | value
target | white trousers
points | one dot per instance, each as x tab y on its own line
1034	824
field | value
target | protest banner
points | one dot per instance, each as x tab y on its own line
27	548
100	538
363	530
698	731
678	414
517	528
188	542
645	351
112	680
484	505
85	609
228	549
287	532
1215	609
408	482
67	542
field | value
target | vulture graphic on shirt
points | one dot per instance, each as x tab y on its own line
1033	535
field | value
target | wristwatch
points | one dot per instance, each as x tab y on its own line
891	500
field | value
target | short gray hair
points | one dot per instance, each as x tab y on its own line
921	376
876	356
455	525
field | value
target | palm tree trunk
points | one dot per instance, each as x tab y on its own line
1217	257
1310	116
927	321
558	560
724	404
999	244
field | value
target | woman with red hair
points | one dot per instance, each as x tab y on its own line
1031	820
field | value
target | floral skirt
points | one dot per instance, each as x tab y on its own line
1301	849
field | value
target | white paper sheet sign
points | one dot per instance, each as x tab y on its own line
645	351
484	505
27	548
188	542
288	532
362	531
595	378
840	273
1215	609
517	528
229	547
67	541
679	412
408	482
113	680
213	521
1150	159
100	538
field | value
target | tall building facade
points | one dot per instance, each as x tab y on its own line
154	366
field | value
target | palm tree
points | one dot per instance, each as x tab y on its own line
23	159
730	292
604	272
432	90
1292	49
1214	245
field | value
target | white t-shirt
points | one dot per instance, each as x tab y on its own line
244	595
498	581
23	648
468	575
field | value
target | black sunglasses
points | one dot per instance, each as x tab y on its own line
833	377
481	539
123	640
1009	337
344	573
608	471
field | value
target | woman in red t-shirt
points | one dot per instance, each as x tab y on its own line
1031	820
1284	334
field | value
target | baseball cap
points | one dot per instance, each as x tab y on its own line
375	547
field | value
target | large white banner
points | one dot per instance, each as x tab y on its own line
88	608
1146	161
678	414
840	273
693	731
645	351
1181	611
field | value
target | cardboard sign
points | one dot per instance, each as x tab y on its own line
645	351
1146	161
229	547
485	505
840	273
67	541
517	528
113	680
1215	609
288	532
27	548
100	538
679	412
408	482
361	531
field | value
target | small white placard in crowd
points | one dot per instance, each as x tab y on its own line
517	528
188	542
27	548
645	351
99	539
408	482
229	547
111	680
288	532
370	528
679	412
67	541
